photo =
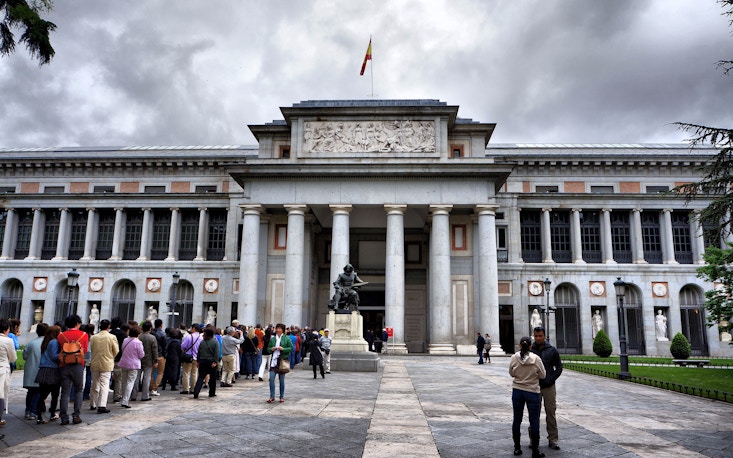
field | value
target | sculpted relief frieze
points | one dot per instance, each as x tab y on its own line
369	136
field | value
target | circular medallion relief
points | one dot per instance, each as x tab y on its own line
153	284
535	288
211	285
96	285
660	289
597	288
40	284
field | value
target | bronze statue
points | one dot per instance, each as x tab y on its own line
346	286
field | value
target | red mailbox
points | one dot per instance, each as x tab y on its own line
390	332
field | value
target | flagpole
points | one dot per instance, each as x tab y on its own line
371	67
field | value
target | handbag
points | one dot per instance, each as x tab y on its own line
187	357
283	366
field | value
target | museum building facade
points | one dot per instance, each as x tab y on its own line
454	235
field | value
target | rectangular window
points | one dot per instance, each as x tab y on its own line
531	235
590	236
78	234
161	234
413	253
601	189
205	189
560	236
459	237
50	234
502	253
681	237
53	190
7	189
215	249
621	237
544	189
656	189
281	236
284	152
154	189
104	189
105	234
23	241
133	234
189	235
651	237
3	222
456	151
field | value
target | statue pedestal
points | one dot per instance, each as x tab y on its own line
349	351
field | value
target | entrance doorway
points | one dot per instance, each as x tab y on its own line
371	308
506	328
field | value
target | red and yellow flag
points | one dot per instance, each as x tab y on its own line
366	58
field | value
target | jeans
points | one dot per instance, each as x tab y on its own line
71	375
100	389
250	359
532	400
480	352
205	368
272	385
258	363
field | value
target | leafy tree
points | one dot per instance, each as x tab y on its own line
680	347
718	302
25	15
602	345
717	217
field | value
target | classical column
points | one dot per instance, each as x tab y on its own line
698	239
546	236
294	253
146	235
606	237
249	264
118	238
34	249
90	237
488	278
637	242
394	275
339	242
11	231
62	241
514	239
576	244
203	235
175	233
667	237
440	282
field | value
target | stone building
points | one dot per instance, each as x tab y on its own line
455	235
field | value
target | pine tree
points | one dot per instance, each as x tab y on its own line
602	345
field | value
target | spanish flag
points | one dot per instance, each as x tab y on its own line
366	58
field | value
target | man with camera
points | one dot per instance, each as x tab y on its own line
230	352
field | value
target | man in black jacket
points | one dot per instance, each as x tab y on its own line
553	368
480	341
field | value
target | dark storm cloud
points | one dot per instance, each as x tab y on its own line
191	72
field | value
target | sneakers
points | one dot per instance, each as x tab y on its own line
154	393
76	420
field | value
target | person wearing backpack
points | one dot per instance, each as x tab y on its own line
73	343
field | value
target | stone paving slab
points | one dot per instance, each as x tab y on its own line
424	406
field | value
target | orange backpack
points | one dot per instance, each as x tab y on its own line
71	352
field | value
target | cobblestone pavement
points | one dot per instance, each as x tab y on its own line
424	406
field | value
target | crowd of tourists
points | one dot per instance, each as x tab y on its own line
128	362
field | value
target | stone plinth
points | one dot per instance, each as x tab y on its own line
349	350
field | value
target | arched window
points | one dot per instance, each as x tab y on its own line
184	303
634	321
12	297
567	324
123	300
692	314
66	302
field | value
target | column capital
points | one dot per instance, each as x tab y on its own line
252	209
547	209
203	209
173	209
666	210
637	210
440	209
119	209
146	209
395	209
297	209
576	210
91	209
64	209
486	209
37	209
341	208
606	210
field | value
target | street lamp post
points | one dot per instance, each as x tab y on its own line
547	283
620	286
172	307
72	279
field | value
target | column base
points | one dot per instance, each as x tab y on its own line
170	258
84	258
58	258
143	258
441	349
395	349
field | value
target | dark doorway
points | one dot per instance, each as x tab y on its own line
372	310
506	328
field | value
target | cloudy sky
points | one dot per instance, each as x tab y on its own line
195	72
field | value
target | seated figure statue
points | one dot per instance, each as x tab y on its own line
346	294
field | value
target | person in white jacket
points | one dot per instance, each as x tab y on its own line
7	355
526	369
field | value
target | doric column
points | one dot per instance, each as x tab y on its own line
637	242
546	236
488	279
34	249
339	242
576	244
514	239
90	237
146	235
698	240
667	237
11	231
118	238
440	282
294	253
62	241
394	275
606	238
174	234
249	264
203	235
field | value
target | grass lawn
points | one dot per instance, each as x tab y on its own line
644	359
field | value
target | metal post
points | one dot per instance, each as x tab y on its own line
620	286
72	279
172	305
547	284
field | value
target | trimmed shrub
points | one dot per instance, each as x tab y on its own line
602	345
680	347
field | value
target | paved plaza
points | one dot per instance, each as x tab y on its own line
415	406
